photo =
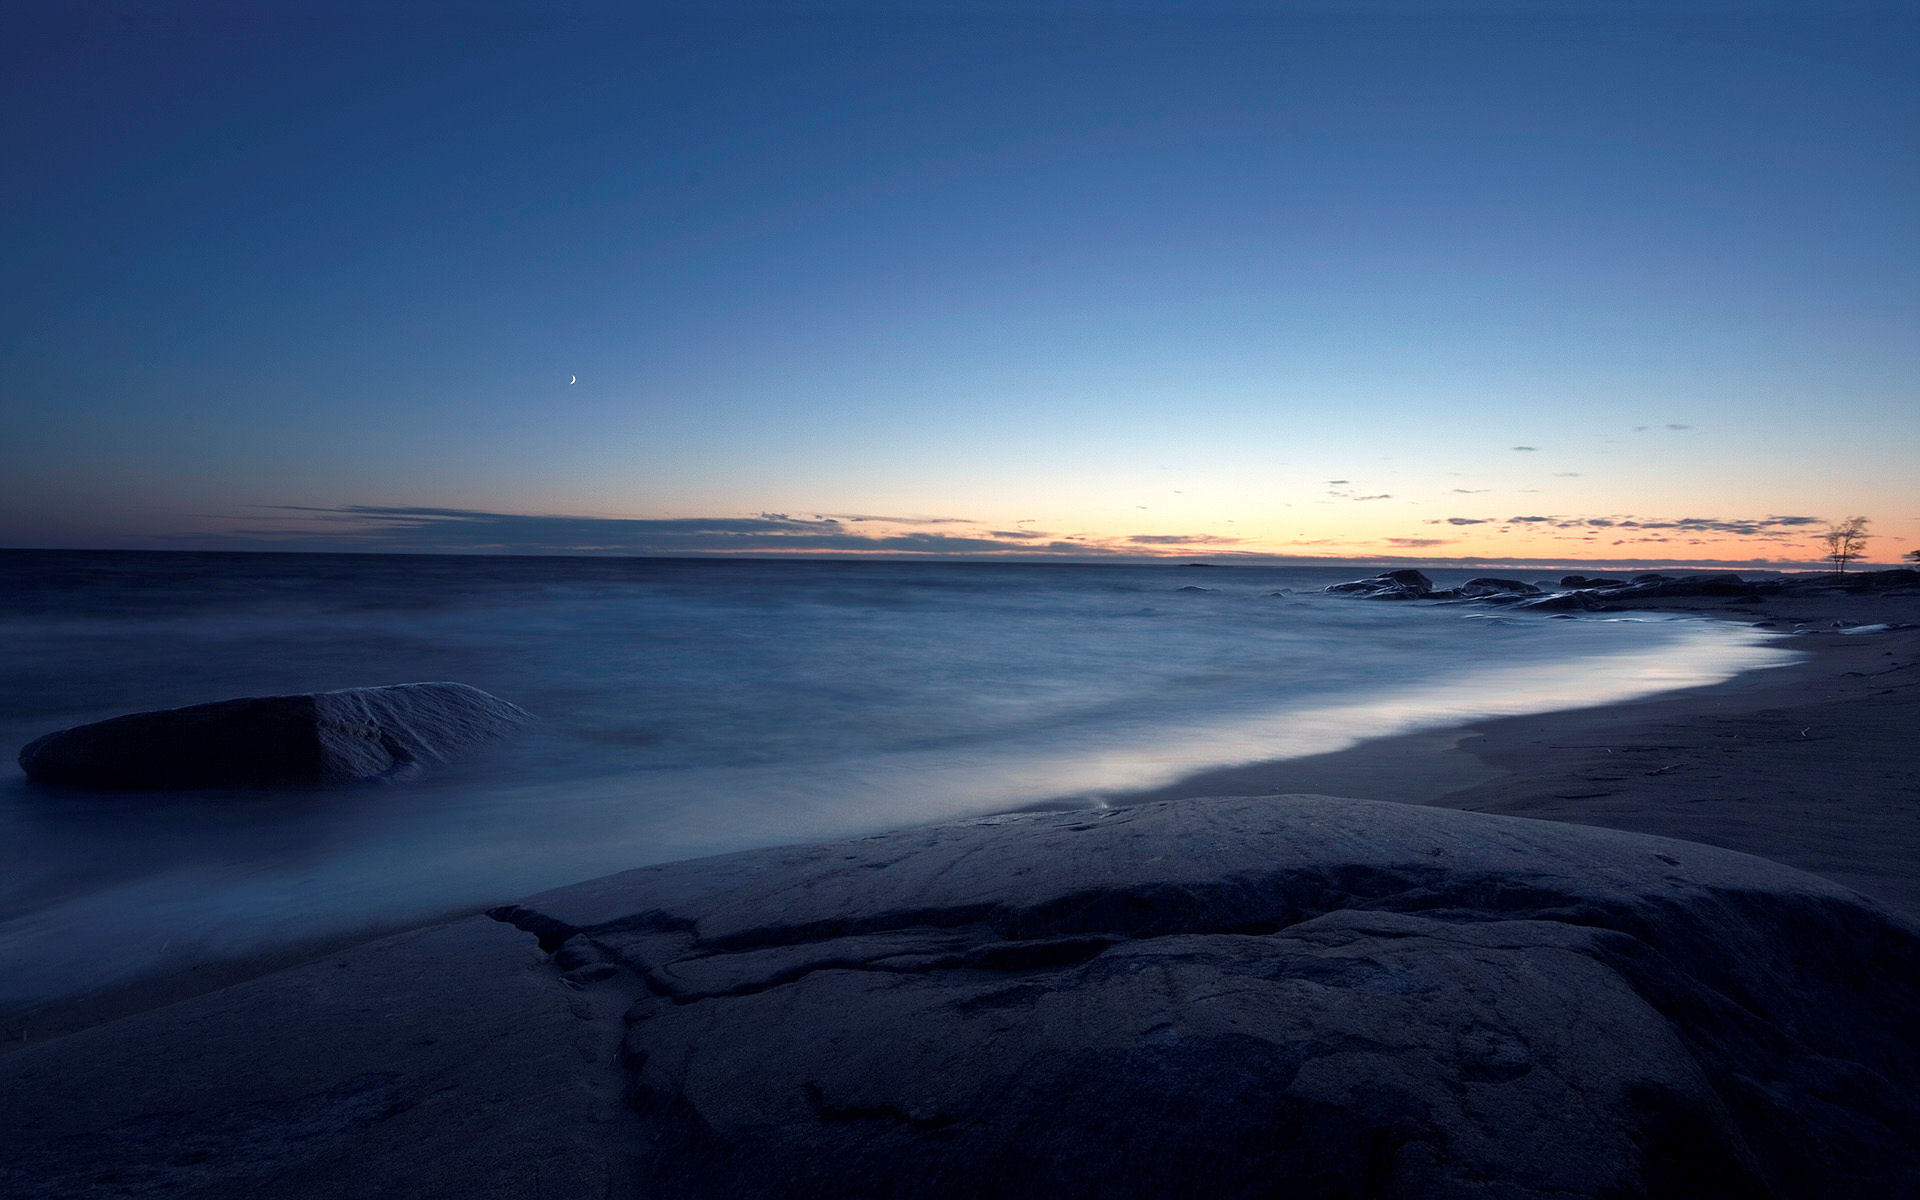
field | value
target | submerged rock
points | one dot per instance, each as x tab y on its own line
1560	602
1255	996
318	737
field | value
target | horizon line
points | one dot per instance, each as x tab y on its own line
1032	558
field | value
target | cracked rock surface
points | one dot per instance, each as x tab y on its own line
1299	996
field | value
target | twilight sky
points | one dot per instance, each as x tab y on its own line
1507	280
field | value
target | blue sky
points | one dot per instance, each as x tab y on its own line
1288	279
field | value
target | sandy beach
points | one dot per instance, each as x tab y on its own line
457	1060
1810	764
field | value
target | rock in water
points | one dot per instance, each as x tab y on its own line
1291	996
320	737
1403	584
1474	589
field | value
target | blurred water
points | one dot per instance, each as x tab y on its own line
690	707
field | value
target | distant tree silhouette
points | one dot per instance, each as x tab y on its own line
1844	543
1913	556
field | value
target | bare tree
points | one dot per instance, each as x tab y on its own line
1844	543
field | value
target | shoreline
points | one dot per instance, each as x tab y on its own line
1839	808
1725	764
1106	991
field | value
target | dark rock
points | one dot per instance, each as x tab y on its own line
1474	589
320	737
1257	996
1590	581
1402	584
1408	577
1662	587
1874	581
1561	602
1724	585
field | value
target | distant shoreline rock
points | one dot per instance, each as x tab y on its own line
264	741
1584	593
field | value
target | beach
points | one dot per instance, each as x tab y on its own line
1809	764
458	1059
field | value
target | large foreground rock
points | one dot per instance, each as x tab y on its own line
1295	996
320	737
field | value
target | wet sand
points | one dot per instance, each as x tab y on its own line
1812	764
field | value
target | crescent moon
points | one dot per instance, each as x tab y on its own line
572	381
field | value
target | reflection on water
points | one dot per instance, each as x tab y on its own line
693	707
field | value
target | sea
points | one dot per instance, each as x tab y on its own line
688	707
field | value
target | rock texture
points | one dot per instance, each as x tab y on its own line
1403	584
1584	593
1256	996
321	737
442	1064
1489	588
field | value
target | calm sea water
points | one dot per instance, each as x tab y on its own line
689	707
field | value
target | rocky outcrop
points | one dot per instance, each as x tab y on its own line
1487	588
1408	584
319	737
1589	581
1255	996
1404	584
1561	602
1584	592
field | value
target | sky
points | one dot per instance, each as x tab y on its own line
1503	281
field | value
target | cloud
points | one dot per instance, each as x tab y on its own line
1017	533
1337	482
1181	539
1778	528
1470	491
1566	474
1527	448
1381	496
1417	543
888	520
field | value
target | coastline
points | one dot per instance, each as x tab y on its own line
1723	765
1807	763
459	1058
